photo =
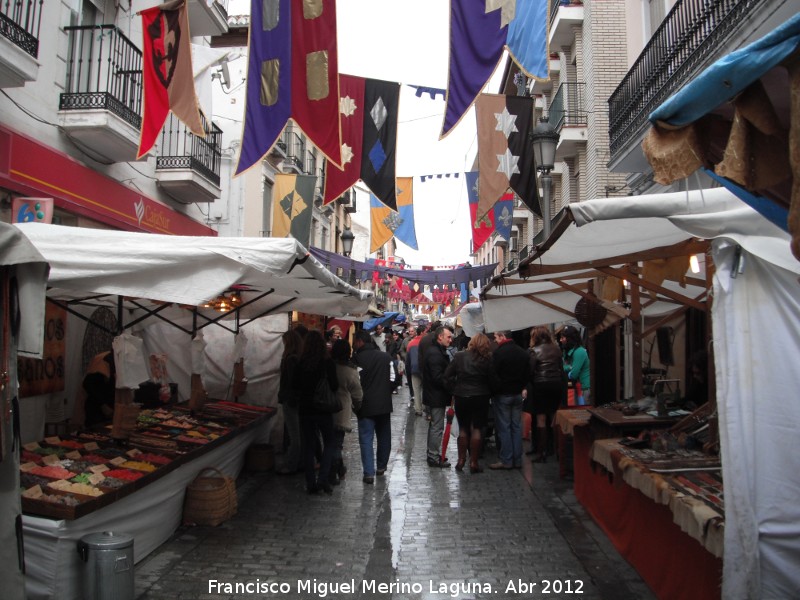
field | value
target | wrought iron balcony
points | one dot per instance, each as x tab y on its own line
295	151
569	105
19	41
104	71
179	148
689	36
20	22
182	156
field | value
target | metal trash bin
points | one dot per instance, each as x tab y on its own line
107	566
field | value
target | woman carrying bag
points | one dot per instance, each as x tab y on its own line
313	365
471	378
547	386
350	395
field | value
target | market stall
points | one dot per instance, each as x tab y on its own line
151	285
756	325
662	528
136	488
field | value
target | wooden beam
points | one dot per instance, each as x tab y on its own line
684	248
636	280
636	334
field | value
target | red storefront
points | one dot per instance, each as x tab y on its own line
30	168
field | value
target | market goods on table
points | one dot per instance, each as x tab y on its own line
70	476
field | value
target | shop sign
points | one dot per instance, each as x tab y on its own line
31	168
46	375
32	210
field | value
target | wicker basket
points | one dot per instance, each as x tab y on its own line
210	500
260	457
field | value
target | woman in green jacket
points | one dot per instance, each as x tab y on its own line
576	361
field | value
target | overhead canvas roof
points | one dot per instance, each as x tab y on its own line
277	275
756	324
602	236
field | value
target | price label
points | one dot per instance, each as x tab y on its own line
31	446
53	440
96	478
33	492
28	466
51	459
118	460
91	446
74	455
133	452
98	469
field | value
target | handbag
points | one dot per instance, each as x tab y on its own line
325	400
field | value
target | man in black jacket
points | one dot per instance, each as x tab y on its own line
511	363
434	394
374	417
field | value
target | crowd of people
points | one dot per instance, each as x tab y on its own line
487	380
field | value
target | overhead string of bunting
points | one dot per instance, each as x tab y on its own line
455	275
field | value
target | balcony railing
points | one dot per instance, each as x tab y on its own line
690	34
311	164
104	71
181	149
569	105
556	4
320	187
20	21
295	151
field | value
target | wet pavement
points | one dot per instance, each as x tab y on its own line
417	533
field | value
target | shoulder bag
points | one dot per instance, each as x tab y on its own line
325	400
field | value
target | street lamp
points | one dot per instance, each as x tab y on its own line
545	140
347	238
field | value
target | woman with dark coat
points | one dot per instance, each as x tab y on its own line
292	346
471	378
350	395
314	364
547	385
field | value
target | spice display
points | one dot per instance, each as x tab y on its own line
139	466
52	472
154	458
125	474
61	478
28	456
71	444
84	489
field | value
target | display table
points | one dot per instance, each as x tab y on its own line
670	537
564	423
150	511
611	423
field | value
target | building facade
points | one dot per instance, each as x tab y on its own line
70	114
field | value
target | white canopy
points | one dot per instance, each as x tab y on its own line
609	233
756	339
277	275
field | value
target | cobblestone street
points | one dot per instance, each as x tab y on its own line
417	533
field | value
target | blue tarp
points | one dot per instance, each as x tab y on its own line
385	320
729	76
721	82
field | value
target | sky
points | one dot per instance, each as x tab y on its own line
407	41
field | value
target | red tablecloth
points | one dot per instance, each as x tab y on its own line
673	564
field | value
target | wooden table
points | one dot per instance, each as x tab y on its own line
673	542
611	423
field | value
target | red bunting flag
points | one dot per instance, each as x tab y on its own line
167	72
